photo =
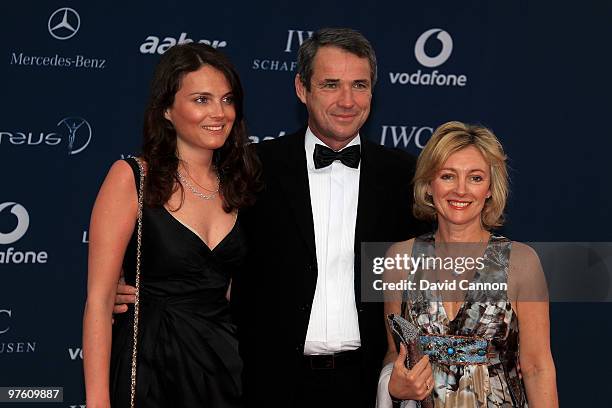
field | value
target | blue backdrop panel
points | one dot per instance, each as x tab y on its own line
75	79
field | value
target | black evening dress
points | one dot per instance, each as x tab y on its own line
187	347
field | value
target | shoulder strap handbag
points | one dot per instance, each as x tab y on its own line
137	284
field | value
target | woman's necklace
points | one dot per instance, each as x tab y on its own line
195	191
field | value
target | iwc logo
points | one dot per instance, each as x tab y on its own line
405	136
293	41
5	327
64	23
8	345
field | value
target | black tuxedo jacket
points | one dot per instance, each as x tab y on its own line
273	294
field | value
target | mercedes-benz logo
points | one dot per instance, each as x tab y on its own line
74	124
64	23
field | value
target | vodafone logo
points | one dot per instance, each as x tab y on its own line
23	221
9	255
424	76
445	53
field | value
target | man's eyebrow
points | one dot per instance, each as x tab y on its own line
362	82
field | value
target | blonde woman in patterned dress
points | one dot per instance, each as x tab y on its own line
485	348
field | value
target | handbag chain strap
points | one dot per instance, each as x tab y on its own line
137	284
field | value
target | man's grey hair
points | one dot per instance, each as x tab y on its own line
344	38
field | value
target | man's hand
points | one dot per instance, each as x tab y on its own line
125	294
415	384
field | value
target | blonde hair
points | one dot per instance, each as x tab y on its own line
448	139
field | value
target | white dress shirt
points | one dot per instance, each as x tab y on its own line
334	193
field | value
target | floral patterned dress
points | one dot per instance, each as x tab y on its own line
487	316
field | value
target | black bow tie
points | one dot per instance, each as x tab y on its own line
324	156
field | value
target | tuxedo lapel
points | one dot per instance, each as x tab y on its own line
370	186
295	183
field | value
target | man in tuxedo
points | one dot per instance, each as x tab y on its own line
307	338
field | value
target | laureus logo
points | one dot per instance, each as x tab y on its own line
73	130
445	52
23	222
76	126
64	23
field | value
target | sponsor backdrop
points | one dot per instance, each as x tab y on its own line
75	78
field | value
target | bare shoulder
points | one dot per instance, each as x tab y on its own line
522	247
119	186
400	248
526	278
523	254
121	175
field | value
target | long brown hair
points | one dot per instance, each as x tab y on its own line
236	162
